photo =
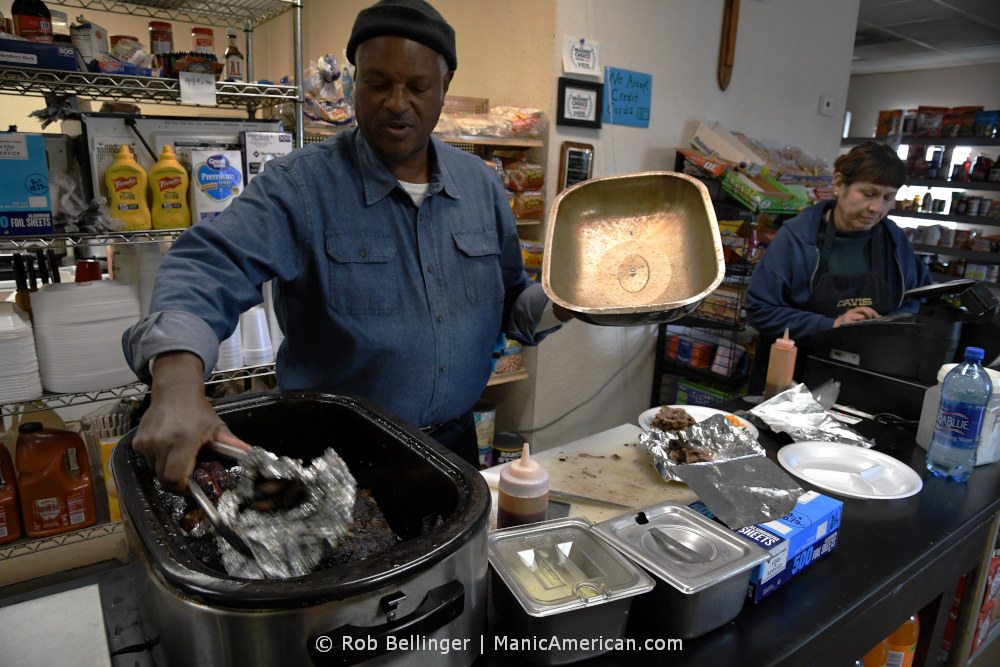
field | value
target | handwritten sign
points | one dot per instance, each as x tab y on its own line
197	88
628	97
580	56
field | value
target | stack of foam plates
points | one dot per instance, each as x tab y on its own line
78	331
19	380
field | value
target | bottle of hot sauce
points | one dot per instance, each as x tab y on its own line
53	480
10	512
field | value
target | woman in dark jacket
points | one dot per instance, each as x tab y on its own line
838	261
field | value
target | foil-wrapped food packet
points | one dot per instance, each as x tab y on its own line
796	412
715	437
287	542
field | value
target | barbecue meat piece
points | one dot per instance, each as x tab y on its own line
207	484
672	419
219	474
683	450
370	534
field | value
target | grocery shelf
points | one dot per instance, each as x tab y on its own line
988	257
232	13
928	141
97	85
954	185
948	217
79	238
503	378
495	142
51	400
29	545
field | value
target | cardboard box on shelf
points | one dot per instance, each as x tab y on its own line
22	53
25	206
762	193
260	147
692	393
716	140
712	164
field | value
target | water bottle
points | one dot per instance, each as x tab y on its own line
964	394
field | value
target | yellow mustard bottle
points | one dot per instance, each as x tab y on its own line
168	183
126	181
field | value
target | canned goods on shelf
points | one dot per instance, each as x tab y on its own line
161	37
203	39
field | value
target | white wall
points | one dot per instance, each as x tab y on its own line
948	87
782	65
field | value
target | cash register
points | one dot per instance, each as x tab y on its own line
885	365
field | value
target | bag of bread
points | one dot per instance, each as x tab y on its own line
529	204
521	176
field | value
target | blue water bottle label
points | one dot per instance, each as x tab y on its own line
959	423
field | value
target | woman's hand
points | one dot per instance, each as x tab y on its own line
179	421
856	315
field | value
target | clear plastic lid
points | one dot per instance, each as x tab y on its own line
684	548
561	565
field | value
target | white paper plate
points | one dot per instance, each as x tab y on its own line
699	412
849	470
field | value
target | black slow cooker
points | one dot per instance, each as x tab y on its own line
424	600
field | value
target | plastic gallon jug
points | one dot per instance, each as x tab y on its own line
10	511
53	480
126	182
168	184
523	492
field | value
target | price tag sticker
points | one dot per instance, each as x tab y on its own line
197	88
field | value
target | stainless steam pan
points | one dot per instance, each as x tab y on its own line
633	249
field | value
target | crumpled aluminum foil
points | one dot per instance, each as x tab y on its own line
796	412
287	542
740	485
715	434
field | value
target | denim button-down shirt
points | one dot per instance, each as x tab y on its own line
375	297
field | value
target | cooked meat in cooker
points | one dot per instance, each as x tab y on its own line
672	419
370	533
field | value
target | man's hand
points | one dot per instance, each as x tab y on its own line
856	315
179	420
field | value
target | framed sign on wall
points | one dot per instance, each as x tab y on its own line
579	103
576	164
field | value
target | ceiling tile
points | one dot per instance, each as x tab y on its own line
901	11
953	33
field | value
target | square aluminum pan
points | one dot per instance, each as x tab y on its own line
682	547
634	249
702	568
561	565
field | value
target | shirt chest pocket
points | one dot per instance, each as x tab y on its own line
479	256
363	273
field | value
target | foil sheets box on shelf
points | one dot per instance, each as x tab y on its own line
794	541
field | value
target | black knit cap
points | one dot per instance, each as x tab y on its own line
413	19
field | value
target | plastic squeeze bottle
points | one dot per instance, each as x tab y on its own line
965	393
126	182
780	366
523	492
168	183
